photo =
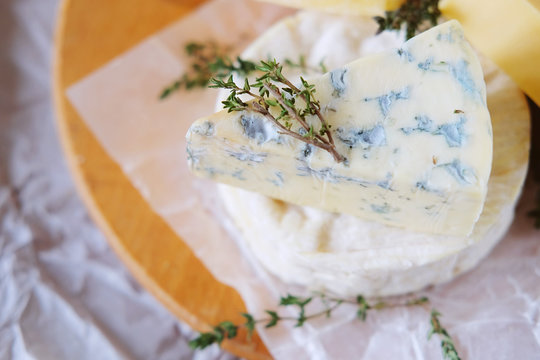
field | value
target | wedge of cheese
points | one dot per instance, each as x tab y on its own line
412	122
346	255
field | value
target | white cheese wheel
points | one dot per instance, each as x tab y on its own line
347	256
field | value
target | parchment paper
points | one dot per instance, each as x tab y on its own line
493	312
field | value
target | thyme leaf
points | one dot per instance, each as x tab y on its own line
447	344
249	324
220	332
274	319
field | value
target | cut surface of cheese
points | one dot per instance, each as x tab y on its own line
412	122
343	254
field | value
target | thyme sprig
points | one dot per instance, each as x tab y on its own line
274	90
208	60
229	330
447	344
414	14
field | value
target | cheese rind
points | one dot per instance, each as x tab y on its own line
412	123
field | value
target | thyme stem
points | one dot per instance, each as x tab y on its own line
447	344
292	112
228	330
315	108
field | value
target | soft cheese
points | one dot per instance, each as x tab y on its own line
412	123
348	256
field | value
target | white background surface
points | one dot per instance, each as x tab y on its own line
63	292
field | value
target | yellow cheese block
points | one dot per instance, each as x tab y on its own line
506	31
345	7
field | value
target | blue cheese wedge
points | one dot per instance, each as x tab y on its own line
412	122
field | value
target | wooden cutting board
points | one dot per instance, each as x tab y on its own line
90	33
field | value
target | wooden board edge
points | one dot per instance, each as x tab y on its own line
60	102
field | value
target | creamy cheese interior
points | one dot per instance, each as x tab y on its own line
345	255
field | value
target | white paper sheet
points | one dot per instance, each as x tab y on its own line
146	137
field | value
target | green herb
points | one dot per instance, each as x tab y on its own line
302	65
447	344
323	67
228	330
249	324
414	14
211	61
276	94
224	330
207	61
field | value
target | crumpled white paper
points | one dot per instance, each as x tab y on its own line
492	312
63	293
